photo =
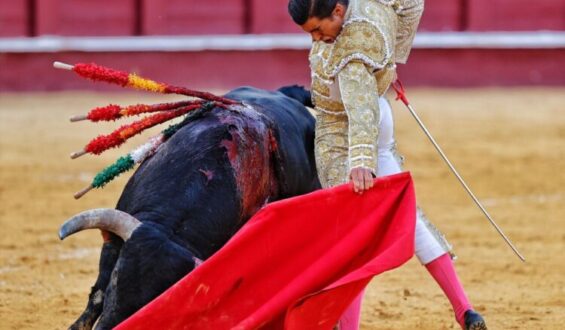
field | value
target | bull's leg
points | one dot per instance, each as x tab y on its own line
108	257
150	262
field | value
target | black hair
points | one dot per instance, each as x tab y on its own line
301	10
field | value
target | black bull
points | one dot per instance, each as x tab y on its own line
187	200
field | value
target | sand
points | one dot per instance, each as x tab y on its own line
507	143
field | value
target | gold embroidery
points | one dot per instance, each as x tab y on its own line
385	77
331	149
358	41
320	87
327	104
320	82
408	19
358	93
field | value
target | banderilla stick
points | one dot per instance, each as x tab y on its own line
401	95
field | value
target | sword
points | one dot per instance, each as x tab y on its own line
401	95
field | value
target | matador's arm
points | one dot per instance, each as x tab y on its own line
358	87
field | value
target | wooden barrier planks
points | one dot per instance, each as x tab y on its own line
14	18
516	15
444	15
86	17
196	17
272	17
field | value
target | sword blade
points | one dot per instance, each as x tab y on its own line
454	171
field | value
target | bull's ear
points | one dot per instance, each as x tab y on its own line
299	93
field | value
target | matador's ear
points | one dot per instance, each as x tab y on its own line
339	10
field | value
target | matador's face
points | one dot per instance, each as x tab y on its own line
326	29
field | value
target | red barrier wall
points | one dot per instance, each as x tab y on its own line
510	15
269	69
164	17
213	70
485	67
13	18
203	70
192	17
272	17
443	15
85	17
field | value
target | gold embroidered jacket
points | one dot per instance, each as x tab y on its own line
349	75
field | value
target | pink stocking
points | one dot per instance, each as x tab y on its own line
352	315
443	272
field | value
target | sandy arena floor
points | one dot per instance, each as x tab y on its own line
507	143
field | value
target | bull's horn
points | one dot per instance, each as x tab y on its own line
115	221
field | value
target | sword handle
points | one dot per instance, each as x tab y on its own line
400	92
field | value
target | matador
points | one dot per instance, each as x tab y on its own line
356	47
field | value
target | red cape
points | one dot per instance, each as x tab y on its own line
297	263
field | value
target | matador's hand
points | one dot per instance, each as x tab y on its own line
361	178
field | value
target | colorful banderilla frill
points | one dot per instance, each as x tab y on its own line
122	134
137	156
161	113
114	112
99	73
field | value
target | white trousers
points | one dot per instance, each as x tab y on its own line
428	246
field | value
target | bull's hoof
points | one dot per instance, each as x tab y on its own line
80	325
474	321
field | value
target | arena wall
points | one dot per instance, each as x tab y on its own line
461	42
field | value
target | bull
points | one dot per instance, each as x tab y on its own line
186	201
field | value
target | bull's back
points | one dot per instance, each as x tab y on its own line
208	179
295	134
